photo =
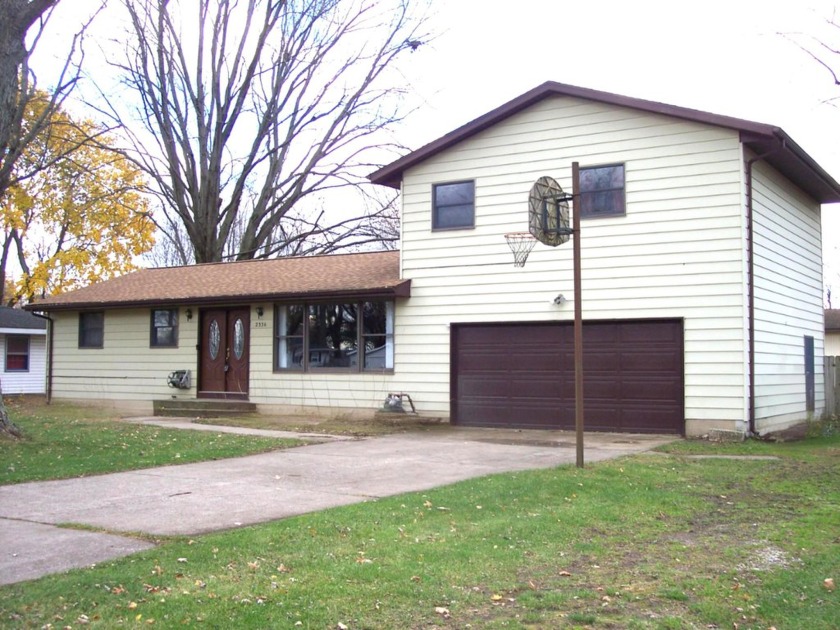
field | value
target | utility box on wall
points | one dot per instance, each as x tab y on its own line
179	379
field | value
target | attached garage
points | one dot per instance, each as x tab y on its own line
522	375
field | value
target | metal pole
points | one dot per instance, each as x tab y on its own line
578	317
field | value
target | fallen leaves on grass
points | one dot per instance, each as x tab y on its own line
443	611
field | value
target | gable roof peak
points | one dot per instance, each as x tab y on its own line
771	141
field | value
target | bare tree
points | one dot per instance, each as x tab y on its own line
253	108
822	44
18	18
21	27
172	247
309	232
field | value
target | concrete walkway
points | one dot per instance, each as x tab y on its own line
210	496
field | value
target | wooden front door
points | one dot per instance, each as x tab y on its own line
224	350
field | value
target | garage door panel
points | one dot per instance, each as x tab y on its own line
660	390
522	375
534	417
665	361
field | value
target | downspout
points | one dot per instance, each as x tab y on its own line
49	354
751	285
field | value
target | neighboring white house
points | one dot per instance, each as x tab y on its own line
701	271
23	340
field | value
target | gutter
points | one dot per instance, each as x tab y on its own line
751	280
49	354
401	289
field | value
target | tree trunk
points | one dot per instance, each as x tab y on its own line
7	427
18	16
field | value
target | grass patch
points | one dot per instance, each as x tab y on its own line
64	441
642	542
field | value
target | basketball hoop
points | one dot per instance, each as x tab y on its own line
548	212
521	244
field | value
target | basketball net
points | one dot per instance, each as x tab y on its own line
521	244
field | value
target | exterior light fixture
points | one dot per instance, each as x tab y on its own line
189	314
260	312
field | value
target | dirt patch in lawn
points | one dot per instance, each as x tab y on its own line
339	424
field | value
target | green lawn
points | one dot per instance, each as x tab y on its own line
653	541
64	441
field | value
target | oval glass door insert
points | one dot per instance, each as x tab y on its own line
214	339
238	338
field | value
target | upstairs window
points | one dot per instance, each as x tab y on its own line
91	329
17	353
164	329
602	191
453	205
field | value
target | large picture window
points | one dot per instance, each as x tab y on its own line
602	191
350	336
17	353
453	205
91	329
164	328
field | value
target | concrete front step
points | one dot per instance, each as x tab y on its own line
206	408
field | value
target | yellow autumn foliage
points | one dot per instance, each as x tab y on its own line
78	215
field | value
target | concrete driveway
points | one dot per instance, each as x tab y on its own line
210	496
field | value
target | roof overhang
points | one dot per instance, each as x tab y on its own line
403	289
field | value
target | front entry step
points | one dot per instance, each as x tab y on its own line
203	408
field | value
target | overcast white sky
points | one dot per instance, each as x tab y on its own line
723	56
726	57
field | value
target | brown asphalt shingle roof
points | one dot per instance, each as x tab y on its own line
345	275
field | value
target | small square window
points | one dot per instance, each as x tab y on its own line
91	329
164	329
602	191
453	205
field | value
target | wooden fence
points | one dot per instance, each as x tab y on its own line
832	386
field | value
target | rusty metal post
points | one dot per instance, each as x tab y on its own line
578	316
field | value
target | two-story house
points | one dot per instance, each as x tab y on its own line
701	287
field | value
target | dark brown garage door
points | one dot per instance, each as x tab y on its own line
522	375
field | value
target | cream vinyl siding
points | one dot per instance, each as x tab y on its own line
33	380
678	252
788	299
315	390
125	368
832	344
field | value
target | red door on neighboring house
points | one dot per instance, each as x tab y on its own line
223	353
